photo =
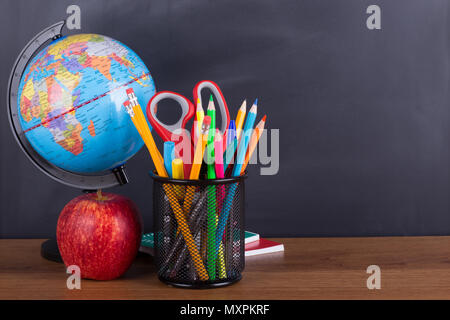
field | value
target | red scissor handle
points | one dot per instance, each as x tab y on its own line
167	132
219	97
174	132
223	108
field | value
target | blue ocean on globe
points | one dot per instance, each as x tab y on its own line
71	99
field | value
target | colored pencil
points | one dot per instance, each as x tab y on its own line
211	190
218	155
196	166
195	221
230	150
148	138
218	149
232	143
218	144
199	115
240	118
196	227
211	232
200	149
210	146
141	120
256	135
243	145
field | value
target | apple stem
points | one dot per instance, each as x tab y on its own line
100	196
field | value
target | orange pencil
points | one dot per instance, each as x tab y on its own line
240	118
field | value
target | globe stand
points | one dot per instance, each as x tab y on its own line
50	251
102	180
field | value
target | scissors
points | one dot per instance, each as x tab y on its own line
176	132
214	88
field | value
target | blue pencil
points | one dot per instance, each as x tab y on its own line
231	145
231	132
243	145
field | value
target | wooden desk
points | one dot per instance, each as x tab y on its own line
310	268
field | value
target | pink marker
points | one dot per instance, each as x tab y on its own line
218	154
220	174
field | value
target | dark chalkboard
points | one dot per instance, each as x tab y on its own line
363	114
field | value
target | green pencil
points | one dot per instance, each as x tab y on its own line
211	111
211	191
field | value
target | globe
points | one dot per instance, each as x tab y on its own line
70	102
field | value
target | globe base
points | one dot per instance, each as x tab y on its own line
50	251
49	248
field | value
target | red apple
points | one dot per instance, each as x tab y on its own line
100	233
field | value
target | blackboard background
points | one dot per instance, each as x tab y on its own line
363	115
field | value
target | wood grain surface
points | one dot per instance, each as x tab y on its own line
310	268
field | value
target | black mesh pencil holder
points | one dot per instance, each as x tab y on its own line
199	231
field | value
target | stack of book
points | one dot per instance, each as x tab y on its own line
254	245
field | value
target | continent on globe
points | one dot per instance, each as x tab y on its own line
91	128
73	82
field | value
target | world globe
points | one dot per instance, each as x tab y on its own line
70	102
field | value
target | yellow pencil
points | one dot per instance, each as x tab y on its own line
240	118
200	115
139	115
178	173
221	262
137	123
177	210
132	115
132	109
200	149
196	166
256	134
